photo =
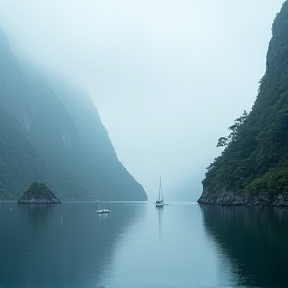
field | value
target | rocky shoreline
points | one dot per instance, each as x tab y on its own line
241	198
38	201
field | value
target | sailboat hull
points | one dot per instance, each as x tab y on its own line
103	211
159	203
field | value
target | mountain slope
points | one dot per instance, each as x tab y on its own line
52	133
253	168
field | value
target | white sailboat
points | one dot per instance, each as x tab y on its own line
160	201
102	210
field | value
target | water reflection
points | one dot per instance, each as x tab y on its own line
252	244
160	211
165	249
67	245
182	245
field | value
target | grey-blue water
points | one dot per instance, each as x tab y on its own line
138	245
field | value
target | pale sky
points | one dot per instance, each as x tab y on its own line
167	77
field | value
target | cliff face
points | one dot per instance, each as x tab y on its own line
253	167
51	132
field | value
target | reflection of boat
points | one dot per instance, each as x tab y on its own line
103	210
160	201
160	212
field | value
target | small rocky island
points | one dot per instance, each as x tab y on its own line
38	193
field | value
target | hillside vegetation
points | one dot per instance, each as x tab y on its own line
50	132
255	157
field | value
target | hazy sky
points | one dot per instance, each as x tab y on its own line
167	77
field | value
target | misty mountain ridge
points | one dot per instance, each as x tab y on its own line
51	132
253	168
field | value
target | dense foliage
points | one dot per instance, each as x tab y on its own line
255	157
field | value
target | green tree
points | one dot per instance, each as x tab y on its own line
225	141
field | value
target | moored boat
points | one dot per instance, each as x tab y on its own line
160	201
103	210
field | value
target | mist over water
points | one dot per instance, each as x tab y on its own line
168	78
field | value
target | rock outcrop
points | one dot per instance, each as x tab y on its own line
239	198
38	193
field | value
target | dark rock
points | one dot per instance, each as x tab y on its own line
238	198
38	193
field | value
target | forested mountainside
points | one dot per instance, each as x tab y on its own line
253	168
51	132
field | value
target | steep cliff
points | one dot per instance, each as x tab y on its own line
253	168
51	132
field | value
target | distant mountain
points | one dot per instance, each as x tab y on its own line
51	132
253	168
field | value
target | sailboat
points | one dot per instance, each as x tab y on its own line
160	201
103	210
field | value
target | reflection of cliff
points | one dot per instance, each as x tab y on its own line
256	241
62	246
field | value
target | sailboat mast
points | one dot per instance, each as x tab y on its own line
160	191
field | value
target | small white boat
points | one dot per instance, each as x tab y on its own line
160	201
103	210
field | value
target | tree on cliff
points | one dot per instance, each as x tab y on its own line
224	141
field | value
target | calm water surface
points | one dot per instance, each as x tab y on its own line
138	245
